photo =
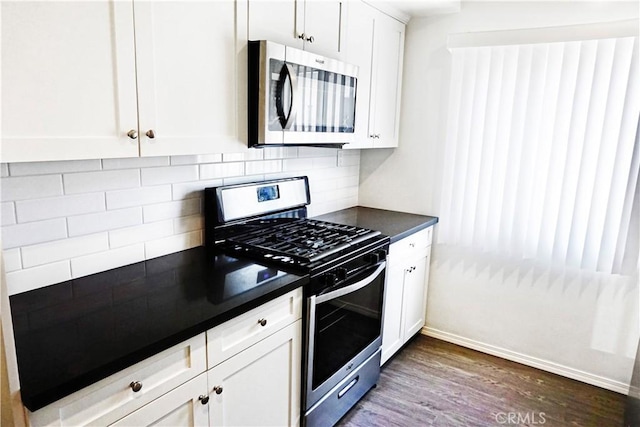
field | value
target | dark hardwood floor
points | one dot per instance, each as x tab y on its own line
435	383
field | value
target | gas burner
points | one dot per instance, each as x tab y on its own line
301	241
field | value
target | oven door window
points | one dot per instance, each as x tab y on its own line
345	326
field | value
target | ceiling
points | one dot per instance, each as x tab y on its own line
421	8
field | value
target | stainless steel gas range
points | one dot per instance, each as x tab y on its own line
267	221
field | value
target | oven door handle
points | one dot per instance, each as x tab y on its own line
351	288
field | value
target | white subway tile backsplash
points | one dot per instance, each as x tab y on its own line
189	190
153	205
188	223
280	152
54	207
243	179
102	261
250	154
100	181
14	236
140	233
169	210
37	277
169	175
263	167
317	152
12	260
30	187
138	196
46	168
221	170
324	162
134	162
175	243
59	250
8	213
196	159
104	221
349	158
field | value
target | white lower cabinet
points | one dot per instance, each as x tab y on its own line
405	299
184	406
125	392
261	385
253	379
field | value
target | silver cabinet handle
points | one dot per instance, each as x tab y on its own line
310	39
218	389
203	399
136	386
150	134
301	36
133	134
262	322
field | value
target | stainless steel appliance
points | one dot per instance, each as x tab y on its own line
267	221
299	98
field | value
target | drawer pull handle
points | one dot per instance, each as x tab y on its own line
413	245
262	322
203	399
136	386
218	389
133	134
150	134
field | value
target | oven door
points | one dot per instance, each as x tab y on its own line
343	330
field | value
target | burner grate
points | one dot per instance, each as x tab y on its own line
301	241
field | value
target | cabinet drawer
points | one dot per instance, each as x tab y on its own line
418	240
108	400
179	407
237	334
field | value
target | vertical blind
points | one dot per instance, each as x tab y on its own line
541	158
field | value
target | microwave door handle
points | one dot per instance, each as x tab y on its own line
352	288
286	120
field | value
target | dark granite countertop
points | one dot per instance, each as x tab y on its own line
75	333
396	225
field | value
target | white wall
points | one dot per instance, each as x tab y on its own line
62	220
582	327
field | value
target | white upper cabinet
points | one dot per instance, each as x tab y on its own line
88	80
375	42
386	81
68	80
312	25
188	76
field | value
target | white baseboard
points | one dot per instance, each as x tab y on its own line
545	365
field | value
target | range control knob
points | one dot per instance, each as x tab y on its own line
341	273
330	279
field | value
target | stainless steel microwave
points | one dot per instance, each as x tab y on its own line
299	98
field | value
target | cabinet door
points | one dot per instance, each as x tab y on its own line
179	407
279	21
261	385
359	51
323	21
415	294
386	81
392	326
68	80
190	68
